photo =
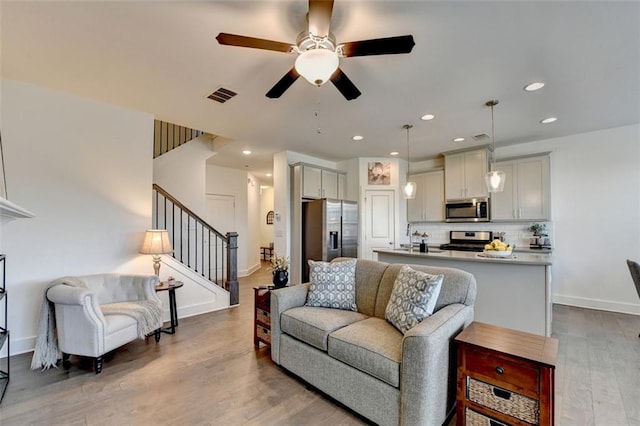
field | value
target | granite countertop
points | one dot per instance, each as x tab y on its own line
521	258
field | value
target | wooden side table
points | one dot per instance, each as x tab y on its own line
262	315
505	377
173	309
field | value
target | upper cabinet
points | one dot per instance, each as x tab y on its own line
526	194
322	183
464	174
428	205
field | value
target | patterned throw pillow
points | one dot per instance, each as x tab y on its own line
332	285
413	298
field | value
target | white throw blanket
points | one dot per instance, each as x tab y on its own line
46	352
148	315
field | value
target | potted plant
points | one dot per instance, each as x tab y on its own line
539	230
280	270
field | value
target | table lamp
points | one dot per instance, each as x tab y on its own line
156	242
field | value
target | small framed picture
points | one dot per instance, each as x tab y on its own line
379	173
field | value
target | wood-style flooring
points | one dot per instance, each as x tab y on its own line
209	373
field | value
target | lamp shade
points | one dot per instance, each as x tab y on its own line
317	65
410	190
495	180
156	241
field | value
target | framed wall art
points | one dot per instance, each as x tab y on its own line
379	173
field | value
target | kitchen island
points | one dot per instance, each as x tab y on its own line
513	292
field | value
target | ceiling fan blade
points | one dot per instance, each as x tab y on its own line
255	43
285	82
344	85
320	17
379	46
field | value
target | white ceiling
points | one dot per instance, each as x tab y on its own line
162	58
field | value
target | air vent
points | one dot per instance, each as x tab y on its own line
481	137
222	95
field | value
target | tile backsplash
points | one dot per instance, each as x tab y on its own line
515	233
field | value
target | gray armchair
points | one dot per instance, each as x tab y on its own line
82	326
634	268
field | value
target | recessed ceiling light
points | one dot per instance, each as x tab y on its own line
532	87
357	138
246	152
458	139
394	153
548	120
427	117
269	174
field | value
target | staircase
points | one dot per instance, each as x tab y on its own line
167	136
196	244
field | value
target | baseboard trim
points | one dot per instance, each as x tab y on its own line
599	304
248	271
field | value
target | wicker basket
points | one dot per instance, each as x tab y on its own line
503	401
263	316
477	419
264	333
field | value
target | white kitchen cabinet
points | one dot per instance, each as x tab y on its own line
526	194
320	183
464	174
428	205
342	186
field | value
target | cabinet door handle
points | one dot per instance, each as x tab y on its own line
519	213
499	370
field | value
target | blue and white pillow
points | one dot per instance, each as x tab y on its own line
332	285
413	298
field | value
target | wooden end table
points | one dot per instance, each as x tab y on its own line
262	315
505	377
173	309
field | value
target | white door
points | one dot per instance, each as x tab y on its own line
379	221
220	215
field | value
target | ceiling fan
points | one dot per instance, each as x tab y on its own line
319	54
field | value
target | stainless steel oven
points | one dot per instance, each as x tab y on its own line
473	210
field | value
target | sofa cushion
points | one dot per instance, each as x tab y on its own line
332	285
413	298
372	346
312	325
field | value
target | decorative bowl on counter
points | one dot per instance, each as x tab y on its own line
496	253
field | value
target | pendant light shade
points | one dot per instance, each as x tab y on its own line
494	179
409	188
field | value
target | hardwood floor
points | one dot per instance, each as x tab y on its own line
209	373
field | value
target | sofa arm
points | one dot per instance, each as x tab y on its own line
80	324
428	367
68	295
281	300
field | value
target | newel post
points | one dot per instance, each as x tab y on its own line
231	282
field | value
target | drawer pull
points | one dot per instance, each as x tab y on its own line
499	370
501	393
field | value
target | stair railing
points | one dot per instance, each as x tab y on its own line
196	244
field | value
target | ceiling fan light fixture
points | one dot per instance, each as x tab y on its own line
317	65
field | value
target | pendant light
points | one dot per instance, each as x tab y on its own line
410	187
494	178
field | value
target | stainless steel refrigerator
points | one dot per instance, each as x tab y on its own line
329	230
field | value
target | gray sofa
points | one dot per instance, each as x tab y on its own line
364	362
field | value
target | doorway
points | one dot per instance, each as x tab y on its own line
379	221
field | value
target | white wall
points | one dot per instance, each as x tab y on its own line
266	205
84	169
238	183
182	173
595	201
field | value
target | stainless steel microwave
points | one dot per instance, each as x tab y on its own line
473	210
